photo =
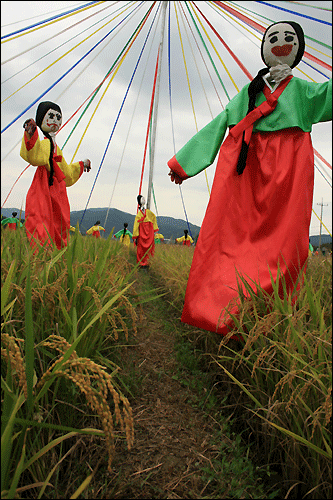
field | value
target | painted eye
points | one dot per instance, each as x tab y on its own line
274	39
289	38
51	115
58	117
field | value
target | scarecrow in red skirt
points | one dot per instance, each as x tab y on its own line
258	216
144	229
96	229
186	239
47	212
11	222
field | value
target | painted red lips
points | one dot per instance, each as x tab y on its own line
53	126
283	50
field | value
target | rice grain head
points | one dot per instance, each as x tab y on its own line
95	383
13	352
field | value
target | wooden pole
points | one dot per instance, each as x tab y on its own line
155	109
321	219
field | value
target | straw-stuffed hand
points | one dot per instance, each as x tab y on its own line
87	165
175	177
30	126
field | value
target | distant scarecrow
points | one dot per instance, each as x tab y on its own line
159	238
186	239
95	230
144	229
124	235
12	222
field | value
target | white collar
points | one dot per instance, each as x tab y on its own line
276	75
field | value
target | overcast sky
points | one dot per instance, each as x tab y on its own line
122	123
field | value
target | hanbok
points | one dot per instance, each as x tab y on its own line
11	223
125	239
257	222
144	228
47	212
95	231
185	241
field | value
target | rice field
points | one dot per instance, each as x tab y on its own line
283	369
65	316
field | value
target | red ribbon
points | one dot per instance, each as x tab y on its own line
264	109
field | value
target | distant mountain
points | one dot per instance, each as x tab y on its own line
326	239
168	226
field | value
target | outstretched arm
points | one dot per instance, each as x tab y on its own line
200	151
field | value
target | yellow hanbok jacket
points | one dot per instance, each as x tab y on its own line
158	238
37	152
186	242
95	231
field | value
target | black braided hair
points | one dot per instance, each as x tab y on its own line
125	227
42	109
256	86
185	231
14	214
139	199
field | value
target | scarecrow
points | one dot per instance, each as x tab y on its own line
95	229
159	238
124	235
257	220
47	211
186	239
11	222
145	226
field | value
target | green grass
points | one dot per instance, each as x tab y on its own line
75	311
59	308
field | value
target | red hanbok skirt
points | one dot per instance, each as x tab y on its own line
254	223
146	241
47	211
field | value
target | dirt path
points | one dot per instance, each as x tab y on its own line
173	439
182	449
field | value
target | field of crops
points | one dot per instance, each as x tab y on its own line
70	322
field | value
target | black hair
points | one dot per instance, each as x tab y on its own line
139	199
125	227
42	109
185	231
97	222
257	85
14	214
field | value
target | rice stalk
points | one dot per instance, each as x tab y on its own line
95	383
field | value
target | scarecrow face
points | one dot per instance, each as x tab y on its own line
280	45
51	121
142	201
